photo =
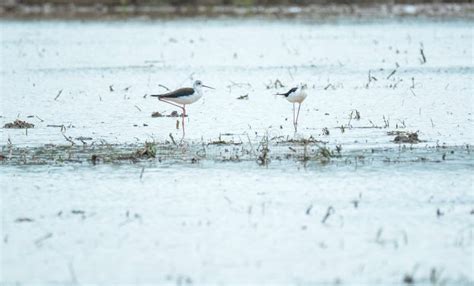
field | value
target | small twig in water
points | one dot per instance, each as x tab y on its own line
423	57
386	122
172	139
392	73
160	85
396	84
69	139
328	86
59	93
141	173
43	238
357	115
278	84
24	219
291	75
250	143
72	273
329	212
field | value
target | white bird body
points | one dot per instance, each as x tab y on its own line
296	95
187	99
186	95
183	96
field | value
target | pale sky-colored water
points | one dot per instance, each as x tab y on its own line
232	223
84	59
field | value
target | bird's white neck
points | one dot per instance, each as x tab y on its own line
198	90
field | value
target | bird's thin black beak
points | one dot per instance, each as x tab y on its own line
208	86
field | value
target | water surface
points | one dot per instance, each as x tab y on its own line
377	212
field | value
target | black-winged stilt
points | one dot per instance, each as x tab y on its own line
182	97
296	95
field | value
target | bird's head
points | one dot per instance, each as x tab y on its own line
198	85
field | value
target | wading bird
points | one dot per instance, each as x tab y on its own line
182	97
296	95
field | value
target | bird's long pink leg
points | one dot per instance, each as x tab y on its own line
182	119
294	125
166	101
182	108
297	115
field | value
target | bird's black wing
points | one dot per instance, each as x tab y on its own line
177	93
286	94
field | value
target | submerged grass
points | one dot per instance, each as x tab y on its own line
148	151
267	150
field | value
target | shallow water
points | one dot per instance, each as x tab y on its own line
237	224
197	217
84	59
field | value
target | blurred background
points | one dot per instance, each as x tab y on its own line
225	2
69	8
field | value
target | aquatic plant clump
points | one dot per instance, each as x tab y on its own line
264	153
19	124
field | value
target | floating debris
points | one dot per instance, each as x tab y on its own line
82	138
172	114
19	124
439	213
95	159
24	219
302	141
408	279
223	142
405	137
